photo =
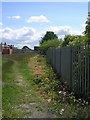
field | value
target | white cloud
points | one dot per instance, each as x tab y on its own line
1	23
14	17
83	25
40	19
30	37
20	37
76	32
61	31
18	34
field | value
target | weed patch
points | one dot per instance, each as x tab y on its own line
60	100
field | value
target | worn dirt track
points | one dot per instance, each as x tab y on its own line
33	108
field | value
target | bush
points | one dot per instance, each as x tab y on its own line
48	44
74	40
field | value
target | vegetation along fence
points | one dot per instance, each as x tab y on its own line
73	63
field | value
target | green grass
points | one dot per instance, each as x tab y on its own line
11	92
40	89
14	95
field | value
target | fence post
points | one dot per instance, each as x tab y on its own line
60	62
71	66
88	69
80	73
85	69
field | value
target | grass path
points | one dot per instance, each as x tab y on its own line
20	97
33	105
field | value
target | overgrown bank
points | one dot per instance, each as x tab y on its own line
60	100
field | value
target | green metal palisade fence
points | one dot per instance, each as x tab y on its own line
73	63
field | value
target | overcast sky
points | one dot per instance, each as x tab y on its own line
24	23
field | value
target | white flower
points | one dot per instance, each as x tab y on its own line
49	100
61	112
74	100
60	92
64	93
86	103
83	101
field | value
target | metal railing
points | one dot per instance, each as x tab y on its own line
73	63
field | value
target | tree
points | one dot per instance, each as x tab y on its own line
87	29
74	40
67	40
48	36
49	44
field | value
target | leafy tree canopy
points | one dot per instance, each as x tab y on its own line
49	44
73	40
48	36
87	29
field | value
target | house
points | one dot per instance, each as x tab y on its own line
26	49
36	48
16	50
5	49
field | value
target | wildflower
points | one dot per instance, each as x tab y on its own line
74	100
49	100
60	92
83	101
86	103
79	99
64	93
61	112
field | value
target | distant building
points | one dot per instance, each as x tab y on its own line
36	48
5	49
15	50
26	49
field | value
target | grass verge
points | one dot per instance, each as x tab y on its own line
60	101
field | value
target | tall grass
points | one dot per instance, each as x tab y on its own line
12	94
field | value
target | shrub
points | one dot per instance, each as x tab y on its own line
48	44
